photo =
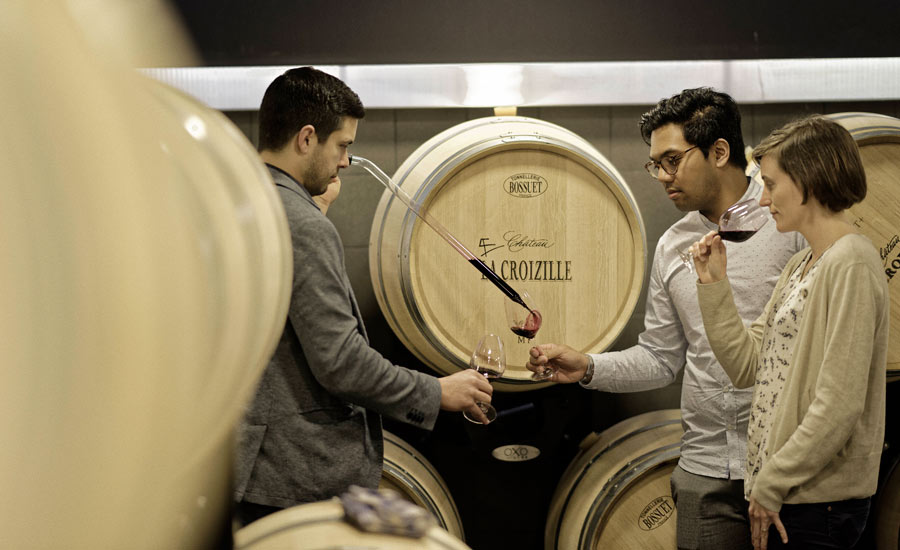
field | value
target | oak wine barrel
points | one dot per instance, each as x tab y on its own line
541	207
409	473
147	283
616	492
321	526
878	215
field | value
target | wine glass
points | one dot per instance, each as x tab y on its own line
737	224
525	322
490	360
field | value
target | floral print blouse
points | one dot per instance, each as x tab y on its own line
774	365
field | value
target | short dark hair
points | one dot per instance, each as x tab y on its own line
821	157
304	96
705	115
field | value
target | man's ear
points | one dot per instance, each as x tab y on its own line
722	151
305	138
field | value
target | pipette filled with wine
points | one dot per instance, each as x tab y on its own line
429	220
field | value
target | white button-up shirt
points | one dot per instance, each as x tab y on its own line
714	413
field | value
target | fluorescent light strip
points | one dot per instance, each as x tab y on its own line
559	84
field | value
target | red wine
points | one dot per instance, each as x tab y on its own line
489	373
736	236
519	331
531	326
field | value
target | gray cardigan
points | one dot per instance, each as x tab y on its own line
314	426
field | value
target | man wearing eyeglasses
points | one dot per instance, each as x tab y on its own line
697	157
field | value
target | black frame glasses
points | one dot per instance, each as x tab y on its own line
669	164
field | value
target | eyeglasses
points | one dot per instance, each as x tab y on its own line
668	164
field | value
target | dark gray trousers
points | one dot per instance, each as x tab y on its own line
712	513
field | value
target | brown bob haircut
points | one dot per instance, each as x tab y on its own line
821	157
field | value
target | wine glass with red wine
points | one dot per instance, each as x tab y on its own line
525	322
490	360
737	224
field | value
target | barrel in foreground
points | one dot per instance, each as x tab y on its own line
142	293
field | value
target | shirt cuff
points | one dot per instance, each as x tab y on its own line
589	373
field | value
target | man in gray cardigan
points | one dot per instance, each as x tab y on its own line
314	427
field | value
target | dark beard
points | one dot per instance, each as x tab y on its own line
311	184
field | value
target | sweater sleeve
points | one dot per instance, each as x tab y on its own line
736	347
851	311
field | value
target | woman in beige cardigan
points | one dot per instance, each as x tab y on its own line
817	353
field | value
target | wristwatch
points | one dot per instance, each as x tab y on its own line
589	373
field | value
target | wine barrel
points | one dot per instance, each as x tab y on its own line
616	492
146	284
541	207
878	216
409	473
887	510
321	526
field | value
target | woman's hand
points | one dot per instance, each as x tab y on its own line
760	521
709	258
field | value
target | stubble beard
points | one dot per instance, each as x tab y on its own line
317	177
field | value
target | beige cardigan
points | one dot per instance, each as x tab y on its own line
827	438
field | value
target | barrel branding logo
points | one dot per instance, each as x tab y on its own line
516	453
525	185
656	513
891	258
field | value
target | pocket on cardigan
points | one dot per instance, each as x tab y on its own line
331	415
